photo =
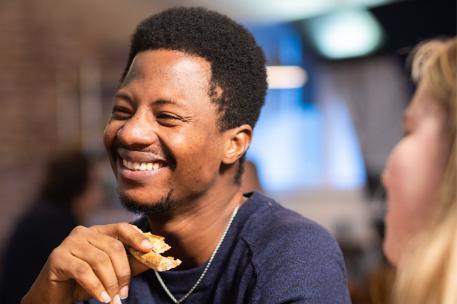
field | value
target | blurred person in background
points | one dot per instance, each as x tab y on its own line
420	179
69	194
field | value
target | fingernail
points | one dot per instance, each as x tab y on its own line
146	244
117	299
124	292
105	297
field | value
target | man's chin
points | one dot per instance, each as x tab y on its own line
159	207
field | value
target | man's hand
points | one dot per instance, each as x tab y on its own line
90	263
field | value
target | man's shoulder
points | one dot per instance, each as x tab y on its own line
287	250
272	223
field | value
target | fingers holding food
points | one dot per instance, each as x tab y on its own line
128	234
112	251
64	267
153	259
93	262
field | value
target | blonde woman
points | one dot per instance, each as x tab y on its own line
420	178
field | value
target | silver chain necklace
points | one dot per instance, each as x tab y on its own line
165	288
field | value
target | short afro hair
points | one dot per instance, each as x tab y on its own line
237	62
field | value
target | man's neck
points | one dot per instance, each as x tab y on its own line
194	233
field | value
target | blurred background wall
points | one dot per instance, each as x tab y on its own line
338	86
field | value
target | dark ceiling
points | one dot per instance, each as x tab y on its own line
408	22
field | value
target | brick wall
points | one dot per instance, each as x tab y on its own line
42	53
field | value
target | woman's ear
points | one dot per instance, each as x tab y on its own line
237	141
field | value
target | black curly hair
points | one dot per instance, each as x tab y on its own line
237	62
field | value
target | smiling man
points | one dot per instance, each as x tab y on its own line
181	123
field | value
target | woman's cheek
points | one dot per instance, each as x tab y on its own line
399	181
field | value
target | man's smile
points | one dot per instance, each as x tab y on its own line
138	165
138	171
142	166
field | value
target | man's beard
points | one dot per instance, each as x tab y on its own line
160	207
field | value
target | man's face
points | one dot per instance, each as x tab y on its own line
163	138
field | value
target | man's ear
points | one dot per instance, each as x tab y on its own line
237	141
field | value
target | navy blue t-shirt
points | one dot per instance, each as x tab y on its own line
270	255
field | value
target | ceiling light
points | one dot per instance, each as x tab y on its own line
286	77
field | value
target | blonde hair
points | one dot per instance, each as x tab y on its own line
428	271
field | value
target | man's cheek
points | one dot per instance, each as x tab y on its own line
108	135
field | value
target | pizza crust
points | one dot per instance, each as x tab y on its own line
153	259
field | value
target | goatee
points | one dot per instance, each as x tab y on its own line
161	207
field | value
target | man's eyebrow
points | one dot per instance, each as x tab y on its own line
158	102
162	101
123	96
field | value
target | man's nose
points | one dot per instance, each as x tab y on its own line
138	131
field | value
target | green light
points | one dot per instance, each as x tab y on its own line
346	34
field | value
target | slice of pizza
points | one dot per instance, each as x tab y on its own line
153	259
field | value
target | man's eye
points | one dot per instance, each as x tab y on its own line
167	116
167	119
120	112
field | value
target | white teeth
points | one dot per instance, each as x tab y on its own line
137	166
